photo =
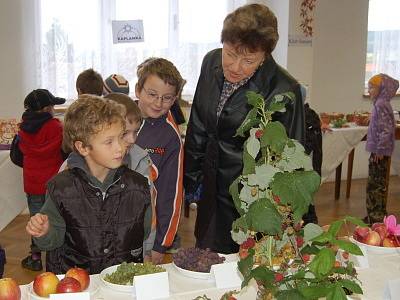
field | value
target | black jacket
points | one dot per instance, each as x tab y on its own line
102	228
213	156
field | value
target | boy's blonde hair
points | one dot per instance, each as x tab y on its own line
89	82
133	113
162	68
87	116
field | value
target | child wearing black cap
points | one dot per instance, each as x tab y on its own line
40	138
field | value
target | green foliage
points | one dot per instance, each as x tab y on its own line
272	194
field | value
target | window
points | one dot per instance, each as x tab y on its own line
383	47
77	35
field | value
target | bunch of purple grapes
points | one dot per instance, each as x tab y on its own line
196	259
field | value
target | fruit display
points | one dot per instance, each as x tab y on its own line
75	280
9	289
126	271
81	275
196	259
386	234
45	284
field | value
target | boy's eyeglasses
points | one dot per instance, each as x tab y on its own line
167	99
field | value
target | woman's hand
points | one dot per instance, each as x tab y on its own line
38	225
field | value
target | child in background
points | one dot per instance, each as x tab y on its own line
159	83
89	82
136	158
97	211
40	142
116	84
380	143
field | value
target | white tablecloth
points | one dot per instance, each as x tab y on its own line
12	196
373	279
336	146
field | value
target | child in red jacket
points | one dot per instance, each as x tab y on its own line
40	143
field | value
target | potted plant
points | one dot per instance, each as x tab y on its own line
277	184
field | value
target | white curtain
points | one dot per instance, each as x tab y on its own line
383	48
76	35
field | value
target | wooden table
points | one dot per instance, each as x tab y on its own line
338	175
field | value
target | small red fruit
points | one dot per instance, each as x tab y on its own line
9	289
249	243
259	133
345	255
68	285
278	277
306	257
299	241
243	253
337	264
81	275
276	199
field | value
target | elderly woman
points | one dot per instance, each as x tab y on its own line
213	155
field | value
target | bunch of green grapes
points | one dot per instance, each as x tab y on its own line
126	271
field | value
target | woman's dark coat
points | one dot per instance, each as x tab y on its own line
213	156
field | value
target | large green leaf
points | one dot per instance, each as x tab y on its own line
348	246
274	137
234	191
297	189
250	121
277	106
311	231
335	227
337	293
263	176
322	263
253	144
294	158
249	163
355	221
315	291
254	99
289	295
248	194
263	217
262	273
350	285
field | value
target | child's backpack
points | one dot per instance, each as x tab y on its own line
16	156
2	261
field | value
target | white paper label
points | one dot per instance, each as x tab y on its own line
152	286
227	275
129	31
69	296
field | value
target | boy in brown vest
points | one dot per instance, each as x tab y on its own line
97	212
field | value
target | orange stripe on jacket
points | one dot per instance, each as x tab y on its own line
174	222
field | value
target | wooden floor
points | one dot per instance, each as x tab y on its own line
16	241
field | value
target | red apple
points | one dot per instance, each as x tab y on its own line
69	285
360	233
381	229
45	284
9	289
81	275
373	239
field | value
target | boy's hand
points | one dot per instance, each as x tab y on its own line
157	257
38	225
